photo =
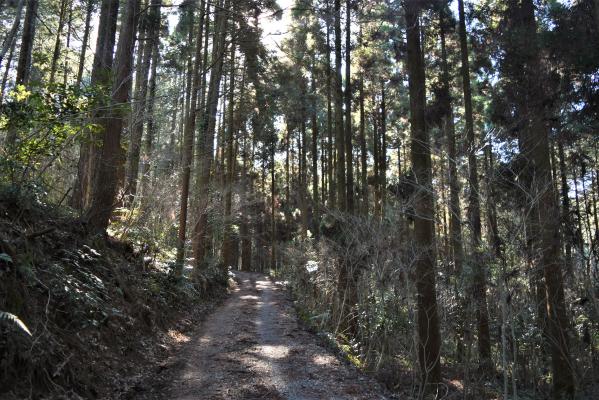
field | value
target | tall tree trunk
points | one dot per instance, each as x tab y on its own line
58	40
495	243
150	138
150	31
376	162
201	246
28	35
594	178
332	194
566	219
178	134
100	79
383	152
339	135
542	202
84	43
429	340
187	100
479	279
136	123
348	119
65	66
273	221
111	160
315	197
587	212
24	63
201	106
172	143
493	228
244	229
228	253
455	209
323	172
303	147
219	175
11	36
7	70
363	150
348	273
441	211
287	163
188	140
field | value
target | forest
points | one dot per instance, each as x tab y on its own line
299	199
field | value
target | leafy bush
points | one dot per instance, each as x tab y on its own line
369	252
46	121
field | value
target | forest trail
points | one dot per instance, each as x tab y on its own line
251	347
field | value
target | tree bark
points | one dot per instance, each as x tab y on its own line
201	107
201	246
111	159
348	119
332	197
246	239
479	279
315	134
455	209
542	206
188	141
65	65
147	49
228	253
150	138
429	340
376	145
339	134
100	79
57	41
28	35
7	69
11	36
273	221
566	220
363	150
85	40
303	146
287	163
383	152
24	63
139	94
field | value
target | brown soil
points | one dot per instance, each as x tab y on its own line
252	347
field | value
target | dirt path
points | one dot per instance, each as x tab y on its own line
252	348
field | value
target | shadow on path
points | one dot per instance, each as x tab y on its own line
252	348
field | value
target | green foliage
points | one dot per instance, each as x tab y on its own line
28	197
46	120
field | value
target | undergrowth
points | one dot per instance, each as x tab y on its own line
92	305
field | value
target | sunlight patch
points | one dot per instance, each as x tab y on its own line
262	284
457	384
323	359
275	351
177	336
311	266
